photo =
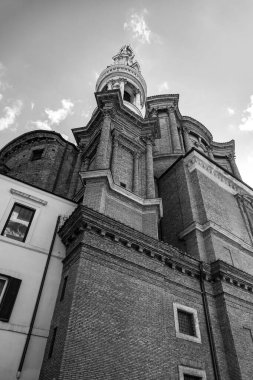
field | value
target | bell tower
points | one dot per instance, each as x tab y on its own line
124	74
117	148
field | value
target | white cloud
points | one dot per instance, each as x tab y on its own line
10	115
247	119
55	117
231	111
137	25
32	105
96	75
163	87
40	124
64	136
1	97
85	114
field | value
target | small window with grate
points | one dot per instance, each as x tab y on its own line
192	377
188	373
37	154
186	323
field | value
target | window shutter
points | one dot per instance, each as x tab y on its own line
9	298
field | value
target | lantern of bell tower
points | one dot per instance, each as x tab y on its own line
124	74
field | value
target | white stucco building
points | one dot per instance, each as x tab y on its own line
31	256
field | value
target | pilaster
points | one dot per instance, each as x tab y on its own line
102	161
174	130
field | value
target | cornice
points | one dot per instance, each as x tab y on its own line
85	219
219	230
121	191
33	136
196	161
197	126
221	271
28	196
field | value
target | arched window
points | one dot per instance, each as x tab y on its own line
127	96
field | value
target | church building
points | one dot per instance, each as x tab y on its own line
151	263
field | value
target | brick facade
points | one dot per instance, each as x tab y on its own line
163	220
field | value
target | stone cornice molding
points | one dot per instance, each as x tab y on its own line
126	141
121	191
85	219
134	77
28	196
33	137
221	271
196	161
217	229
197	127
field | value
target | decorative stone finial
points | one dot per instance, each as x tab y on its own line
126	57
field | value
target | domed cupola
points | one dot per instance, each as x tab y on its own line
124	74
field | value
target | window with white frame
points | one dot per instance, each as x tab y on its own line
18	222
188	373
186	323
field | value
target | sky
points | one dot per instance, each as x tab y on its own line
52	51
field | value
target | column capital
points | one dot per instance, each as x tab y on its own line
148	140
231	156
171	109
137	155
108	112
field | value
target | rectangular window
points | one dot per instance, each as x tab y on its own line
51	348
18	223
188	373
63	288
9	287
37	154
186	323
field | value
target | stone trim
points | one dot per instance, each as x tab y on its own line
194	160
182	370
120	190
218	229
84	218
221	271
28	196
193	312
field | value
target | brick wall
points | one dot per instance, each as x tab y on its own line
121	323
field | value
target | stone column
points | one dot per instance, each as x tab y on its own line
102	162
187	141
138	99
115	159
150	183
174	130
122	87
86	164
234	167
210	153
136	173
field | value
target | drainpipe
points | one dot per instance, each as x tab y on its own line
208	323
28	337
